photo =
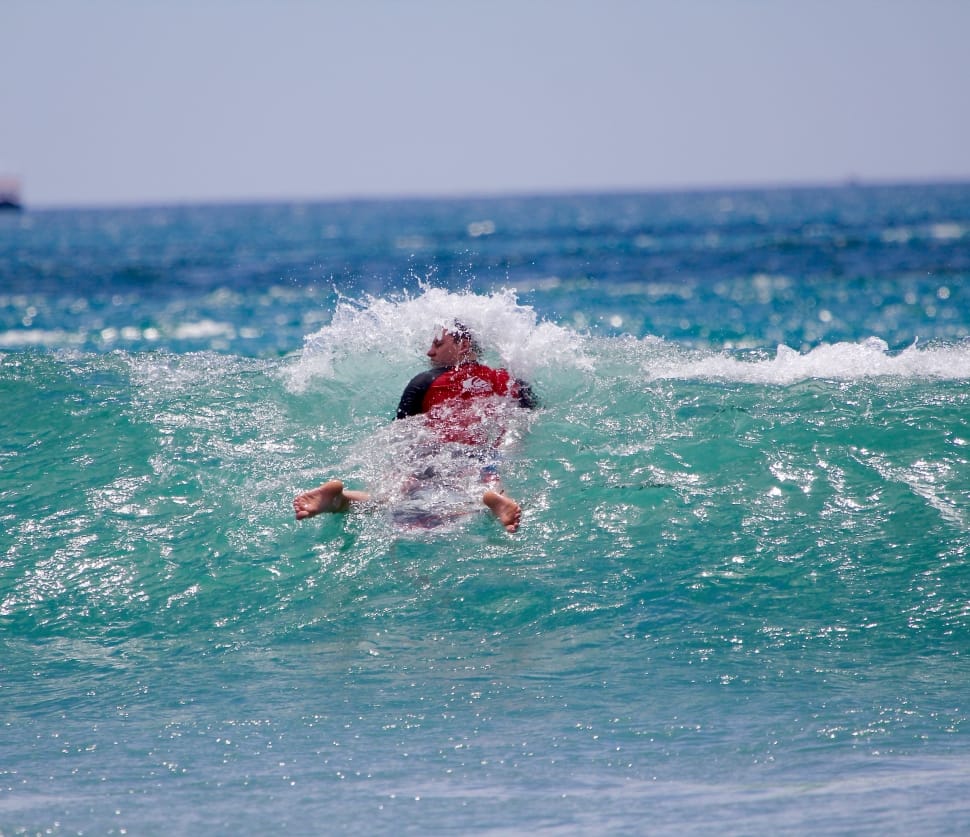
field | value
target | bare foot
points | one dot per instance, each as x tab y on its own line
504	508
329	497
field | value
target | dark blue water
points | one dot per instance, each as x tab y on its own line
741	268
738	601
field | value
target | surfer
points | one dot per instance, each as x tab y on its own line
449	396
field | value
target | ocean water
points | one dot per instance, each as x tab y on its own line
738	602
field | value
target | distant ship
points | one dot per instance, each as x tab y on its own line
10	193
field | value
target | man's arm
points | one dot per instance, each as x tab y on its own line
412	398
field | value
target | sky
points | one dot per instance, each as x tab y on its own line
117	102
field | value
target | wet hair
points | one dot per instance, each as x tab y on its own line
459	331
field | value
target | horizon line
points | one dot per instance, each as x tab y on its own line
850	181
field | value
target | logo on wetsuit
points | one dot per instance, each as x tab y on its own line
447	401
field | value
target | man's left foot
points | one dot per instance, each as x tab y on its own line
328	497
504	508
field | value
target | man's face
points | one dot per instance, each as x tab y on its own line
446	351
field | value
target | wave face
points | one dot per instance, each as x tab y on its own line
740	584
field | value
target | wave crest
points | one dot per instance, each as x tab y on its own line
869	358
399	329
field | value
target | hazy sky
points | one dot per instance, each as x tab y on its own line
117	101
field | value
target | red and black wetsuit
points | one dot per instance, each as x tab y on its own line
448	396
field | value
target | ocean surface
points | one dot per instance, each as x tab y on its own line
738	602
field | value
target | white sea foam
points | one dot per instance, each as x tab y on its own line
203	329
401	328
24	337
869	358
396	331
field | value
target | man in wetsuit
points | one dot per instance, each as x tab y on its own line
449	396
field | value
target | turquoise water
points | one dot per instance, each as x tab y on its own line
738	602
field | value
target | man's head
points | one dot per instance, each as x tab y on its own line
453	346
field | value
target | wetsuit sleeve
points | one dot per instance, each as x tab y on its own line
413	395
523	392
